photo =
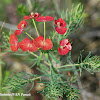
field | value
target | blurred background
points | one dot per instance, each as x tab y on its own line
87	38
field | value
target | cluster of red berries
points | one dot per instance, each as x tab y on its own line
39	42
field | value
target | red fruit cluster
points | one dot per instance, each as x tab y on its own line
39	42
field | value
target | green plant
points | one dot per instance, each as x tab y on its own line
56	84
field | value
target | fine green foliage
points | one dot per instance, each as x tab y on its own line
19	80
74	18
22	9
56	87
6	38
54	58
91	64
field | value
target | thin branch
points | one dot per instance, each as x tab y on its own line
35	27
38	56
8	26
2	26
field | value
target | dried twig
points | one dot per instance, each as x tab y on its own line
2	26
8	26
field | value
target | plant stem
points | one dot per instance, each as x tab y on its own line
35	27
50	69
68	28
78	81
33	54
35	78
69	65
38	56
53	35
2	26
0	71
29	35
75	65
44	31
